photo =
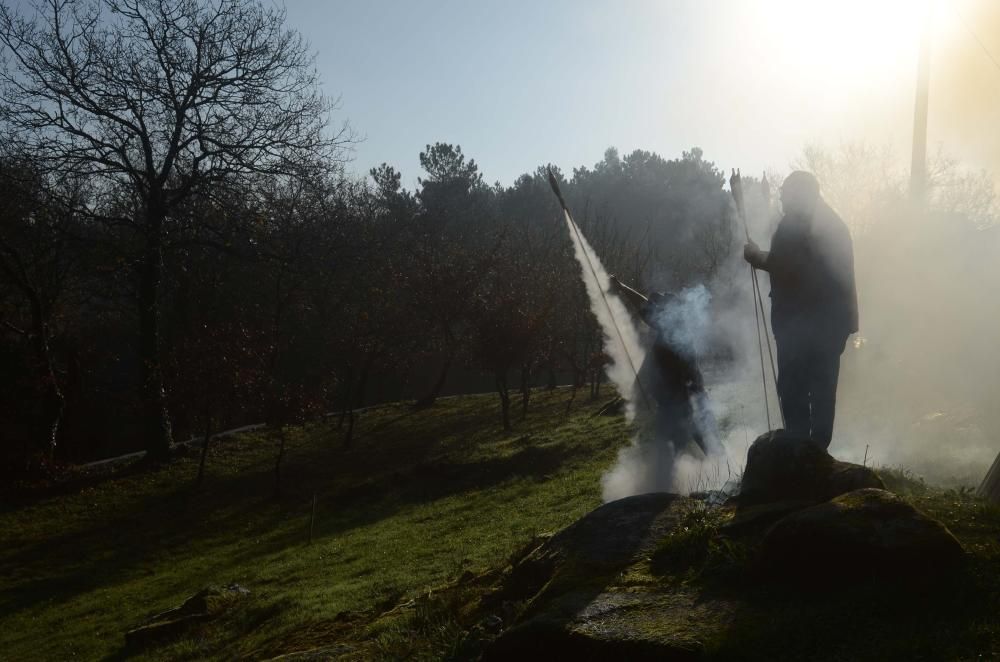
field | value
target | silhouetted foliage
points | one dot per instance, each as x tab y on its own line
265	283
156	102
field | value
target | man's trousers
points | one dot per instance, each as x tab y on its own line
808	370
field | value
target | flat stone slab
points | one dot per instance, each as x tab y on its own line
608	538
577	609
618	624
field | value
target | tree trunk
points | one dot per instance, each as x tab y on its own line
204	451
347	398
366	371
358	399
53	402
525	389
345	406
349	434
551	381
572	397
432	396
156	421
277	462
402	383
504	391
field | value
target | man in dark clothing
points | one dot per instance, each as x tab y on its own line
669	376
814	305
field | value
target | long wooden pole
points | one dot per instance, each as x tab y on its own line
597	281
736	188
918	161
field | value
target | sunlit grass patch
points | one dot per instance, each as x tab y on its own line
420	498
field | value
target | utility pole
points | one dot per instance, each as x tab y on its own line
918	164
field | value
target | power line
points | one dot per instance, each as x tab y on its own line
975	36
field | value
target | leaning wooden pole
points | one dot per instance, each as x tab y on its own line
597	281
760	316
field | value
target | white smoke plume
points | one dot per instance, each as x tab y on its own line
713	323
918	385
686	321
621	338
639	469
653	464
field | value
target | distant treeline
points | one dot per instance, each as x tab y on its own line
181	249
285	297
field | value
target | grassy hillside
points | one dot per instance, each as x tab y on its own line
420	499
424	498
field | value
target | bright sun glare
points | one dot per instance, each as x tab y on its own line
845	41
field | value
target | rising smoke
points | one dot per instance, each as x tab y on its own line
621	338
919	382
648	463
651	462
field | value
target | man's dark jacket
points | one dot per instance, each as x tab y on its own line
811	265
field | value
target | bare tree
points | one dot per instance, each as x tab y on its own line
37	264
161	99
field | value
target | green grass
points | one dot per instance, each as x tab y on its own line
420	499
424	511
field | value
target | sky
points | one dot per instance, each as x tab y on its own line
523	83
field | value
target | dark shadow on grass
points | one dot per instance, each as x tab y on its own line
376	500
384	473
77	480
125	541
15	499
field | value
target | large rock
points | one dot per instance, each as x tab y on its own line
786	469
577	607
862	535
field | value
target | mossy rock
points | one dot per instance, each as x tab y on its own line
864	535
781	468
756	519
